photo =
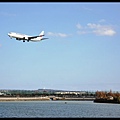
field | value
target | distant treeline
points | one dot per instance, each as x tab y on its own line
45	92
60	93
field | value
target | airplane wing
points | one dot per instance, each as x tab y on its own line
32	37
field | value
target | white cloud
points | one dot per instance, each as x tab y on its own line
102	20
98	29
93	25
82	32
50	33
79	26
101	29
104	31
57	34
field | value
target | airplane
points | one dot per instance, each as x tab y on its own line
27	38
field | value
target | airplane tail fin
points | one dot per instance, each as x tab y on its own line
41	34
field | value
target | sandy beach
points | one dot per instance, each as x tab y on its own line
23	98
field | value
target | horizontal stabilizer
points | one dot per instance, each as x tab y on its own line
44	38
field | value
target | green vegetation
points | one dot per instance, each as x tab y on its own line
46	92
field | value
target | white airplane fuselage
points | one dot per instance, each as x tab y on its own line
28	38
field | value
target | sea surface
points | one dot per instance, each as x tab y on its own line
58	109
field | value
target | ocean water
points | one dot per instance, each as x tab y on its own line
58	109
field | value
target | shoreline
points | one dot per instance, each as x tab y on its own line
43	99
106	101
23	98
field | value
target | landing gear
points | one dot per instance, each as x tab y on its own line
23	40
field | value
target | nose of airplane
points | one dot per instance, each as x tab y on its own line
8	34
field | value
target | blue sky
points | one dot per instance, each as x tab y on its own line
82	52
